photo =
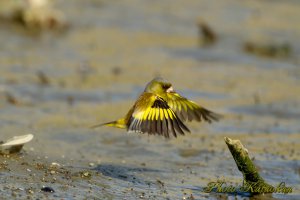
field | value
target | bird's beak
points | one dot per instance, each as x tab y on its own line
170	89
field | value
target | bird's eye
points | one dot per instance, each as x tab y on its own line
165	87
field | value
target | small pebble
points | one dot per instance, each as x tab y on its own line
47	189
86	174
30	191
116	70
43	79
192	197
55	164
91	164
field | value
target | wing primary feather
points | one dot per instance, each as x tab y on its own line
133	124
143	127
161	114
159	127
157	114
129	124
205	115
166	115
170	119
171	126
190	114
215	116
183	105
178	105
148	129
172	104
150	114
166	129
177	127
198	115
145	113
184	115
209	116
181	124
138	125
153	114
194	110
154	126
180	115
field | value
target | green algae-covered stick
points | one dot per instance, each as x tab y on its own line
253	181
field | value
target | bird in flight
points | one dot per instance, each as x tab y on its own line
160	110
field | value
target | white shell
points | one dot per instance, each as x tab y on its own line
18	140
15	144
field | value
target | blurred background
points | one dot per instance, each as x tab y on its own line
68	65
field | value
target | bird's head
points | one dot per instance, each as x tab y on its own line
159	85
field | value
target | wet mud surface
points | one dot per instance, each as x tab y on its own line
93	73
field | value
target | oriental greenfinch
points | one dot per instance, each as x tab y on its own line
160	110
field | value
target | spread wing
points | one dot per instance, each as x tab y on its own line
152	115
189	110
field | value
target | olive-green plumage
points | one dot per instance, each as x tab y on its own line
160	110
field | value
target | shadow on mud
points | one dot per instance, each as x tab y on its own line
126	173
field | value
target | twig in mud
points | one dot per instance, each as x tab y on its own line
270	50
206	35
43	78
245	165
11	99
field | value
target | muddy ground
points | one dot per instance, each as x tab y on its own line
55	85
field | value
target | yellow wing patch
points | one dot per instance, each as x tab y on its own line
154	116
189	110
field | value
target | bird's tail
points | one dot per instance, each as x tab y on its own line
118	124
